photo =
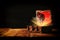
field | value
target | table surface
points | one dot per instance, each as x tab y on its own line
23	32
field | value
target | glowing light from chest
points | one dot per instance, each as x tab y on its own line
47	18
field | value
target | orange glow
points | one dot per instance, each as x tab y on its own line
14	32
22	33
47	21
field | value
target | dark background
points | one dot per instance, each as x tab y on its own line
19	13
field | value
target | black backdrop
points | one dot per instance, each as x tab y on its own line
19	13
